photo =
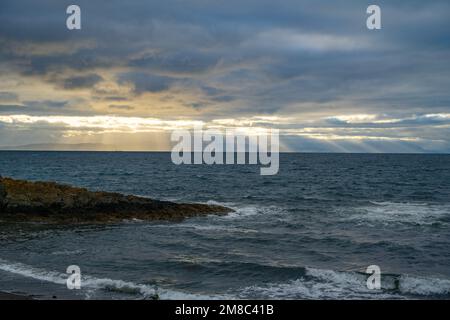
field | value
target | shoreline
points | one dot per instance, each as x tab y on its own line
13	296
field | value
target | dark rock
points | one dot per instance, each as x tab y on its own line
2	194
52	202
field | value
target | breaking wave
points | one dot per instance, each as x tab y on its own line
92	283
311	284
329	284
401	213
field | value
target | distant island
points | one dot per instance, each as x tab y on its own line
61	147
51	202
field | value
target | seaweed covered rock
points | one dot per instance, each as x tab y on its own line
52	202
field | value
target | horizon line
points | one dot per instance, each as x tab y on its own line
281	152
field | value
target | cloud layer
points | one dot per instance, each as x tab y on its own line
310	68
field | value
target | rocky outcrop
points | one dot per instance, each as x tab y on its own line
51	202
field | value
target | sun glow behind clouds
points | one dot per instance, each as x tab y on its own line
103	123
356	133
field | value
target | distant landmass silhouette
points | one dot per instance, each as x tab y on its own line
63	147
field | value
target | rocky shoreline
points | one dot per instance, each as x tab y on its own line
50	202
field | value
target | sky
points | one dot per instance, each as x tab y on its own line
139	69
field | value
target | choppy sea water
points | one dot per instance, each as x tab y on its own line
307	233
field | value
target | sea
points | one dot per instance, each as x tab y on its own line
309	232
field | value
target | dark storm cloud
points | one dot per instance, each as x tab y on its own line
80	61
85	81
143	82
193	37
176	62
218	95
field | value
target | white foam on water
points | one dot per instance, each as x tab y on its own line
399	213
424	286
217	203
26	271
239	211
243	211
315	284
92	283
251	211
318	284
330	284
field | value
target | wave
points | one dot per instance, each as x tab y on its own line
386	213
312	284
330	284
92	283
424	286
245	211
